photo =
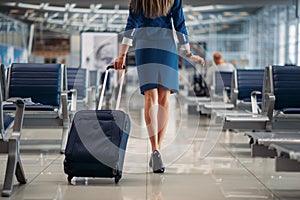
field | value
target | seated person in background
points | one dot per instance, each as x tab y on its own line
219	64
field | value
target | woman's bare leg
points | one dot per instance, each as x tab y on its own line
156	121
162	113
150	115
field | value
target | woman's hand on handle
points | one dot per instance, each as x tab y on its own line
119	62
121	59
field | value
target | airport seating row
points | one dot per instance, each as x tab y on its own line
35	95
281	83
266	100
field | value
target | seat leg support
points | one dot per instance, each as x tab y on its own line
13	167
259	150
284	164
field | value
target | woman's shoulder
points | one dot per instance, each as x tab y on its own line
177	3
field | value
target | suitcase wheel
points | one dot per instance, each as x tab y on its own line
117	177
70	178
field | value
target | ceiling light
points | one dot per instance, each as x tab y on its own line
14	11
227	13
30	11
244	13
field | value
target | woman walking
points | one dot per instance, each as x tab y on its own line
150	24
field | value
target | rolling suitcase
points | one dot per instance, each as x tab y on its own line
97	141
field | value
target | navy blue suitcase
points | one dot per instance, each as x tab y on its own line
97	142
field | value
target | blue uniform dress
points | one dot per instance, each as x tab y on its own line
156	50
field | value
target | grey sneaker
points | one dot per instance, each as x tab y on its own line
156	162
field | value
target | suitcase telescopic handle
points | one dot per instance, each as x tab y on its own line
104	86
112	67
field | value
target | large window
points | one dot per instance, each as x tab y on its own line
292	45
275	36
232	40
13	41
298	43
281	55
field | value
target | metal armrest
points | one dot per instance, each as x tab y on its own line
225	94
254	105
18	118
91	97
64	106
73	104
91	88
212	90
66	120
18	121
270	103
234	96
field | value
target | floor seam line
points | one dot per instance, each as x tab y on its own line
248	170
35	177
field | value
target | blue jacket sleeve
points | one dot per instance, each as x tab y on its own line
132	24
179	23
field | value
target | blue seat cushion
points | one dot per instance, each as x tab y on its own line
40	82
286	83
7	120
222	80
291	111
249	80
35	107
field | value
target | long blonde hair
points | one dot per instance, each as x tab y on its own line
152	8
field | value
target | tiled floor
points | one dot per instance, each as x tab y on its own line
227	172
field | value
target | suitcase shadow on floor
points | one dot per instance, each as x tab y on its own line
108	182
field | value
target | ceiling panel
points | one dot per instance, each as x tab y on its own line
69	16
124	3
